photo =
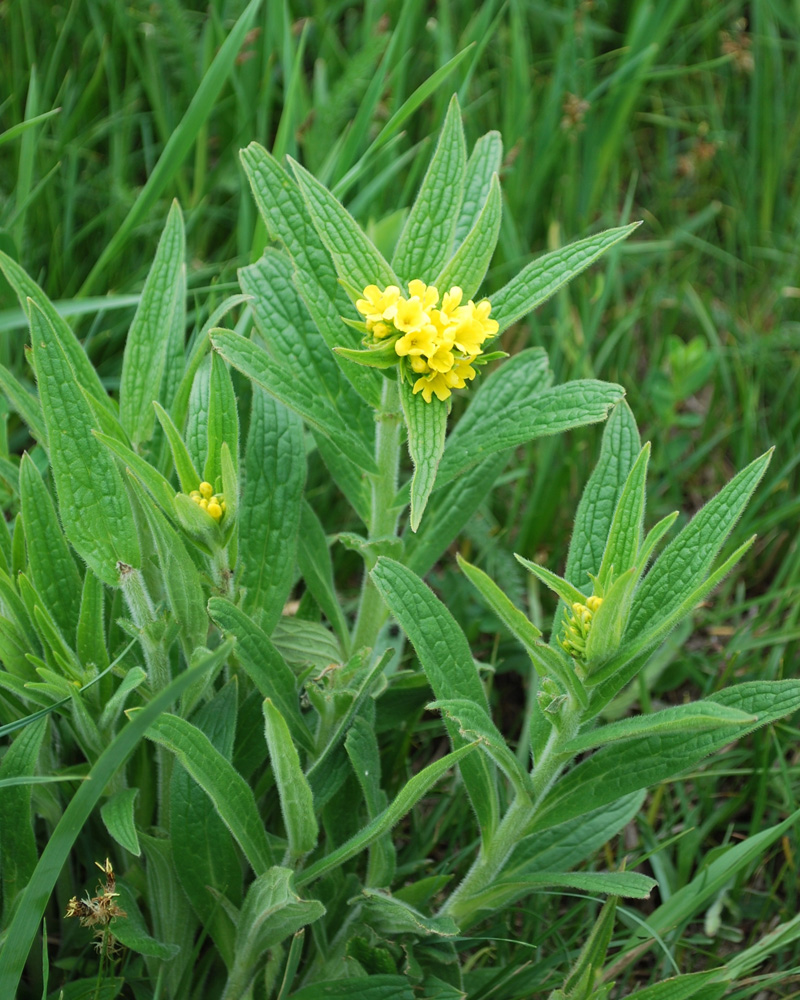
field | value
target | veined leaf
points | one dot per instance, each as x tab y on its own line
503	893
585	401
468	266
427	426
223	421
93	503
187	474
117	814
426	241
314	560
484	161
624	537
25	403
544	276
145	359
294	791
354	255
447	661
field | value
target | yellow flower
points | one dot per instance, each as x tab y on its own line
409	315
419	364
430	384
441	359
378	305
450	304
461	373
427	294
419	340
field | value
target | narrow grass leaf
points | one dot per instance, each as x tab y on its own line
426	242
25	923
92	500
427	427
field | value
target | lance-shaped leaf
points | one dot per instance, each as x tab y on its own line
446	658
427	426
426	241
25	403
53	569
274	477
551	411
362	748
146	346
405	800
686	561
544	276
468	266
26	290
287	220
355	257
159	486
92	500
389	915
294	791
620	768
483	163
625	534
505	892
181	577
117	815
272	911
618	452
223	420
187	474
264	665
229	793
316	566
308	401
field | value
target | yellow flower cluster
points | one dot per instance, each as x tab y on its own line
576	631
211	502
437	341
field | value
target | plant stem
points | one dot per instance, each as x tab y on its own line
384	515
496	851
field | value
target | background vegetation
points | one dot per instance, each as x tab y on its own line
682	114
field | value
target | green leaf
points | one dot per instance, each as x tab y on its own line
181	578
362	748
294	791
474	723
272	911
188	475
618	452
354	255
543	277
131	931
223	421
468	266
488	427
18	855
447	661
406	798
144	361
391	916
53	569
28	915
514	620
569	595
621	768
91	637
25	403
383	356
26	290
287	220
697	716
159	486
346	474
117	813
427	427
686	561
226	788
503	893
426	241
264	665
625	534
484	162
93	503
274	477
378	987
316	567
309	402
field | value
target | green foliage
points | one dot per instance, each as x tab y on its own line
307	787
